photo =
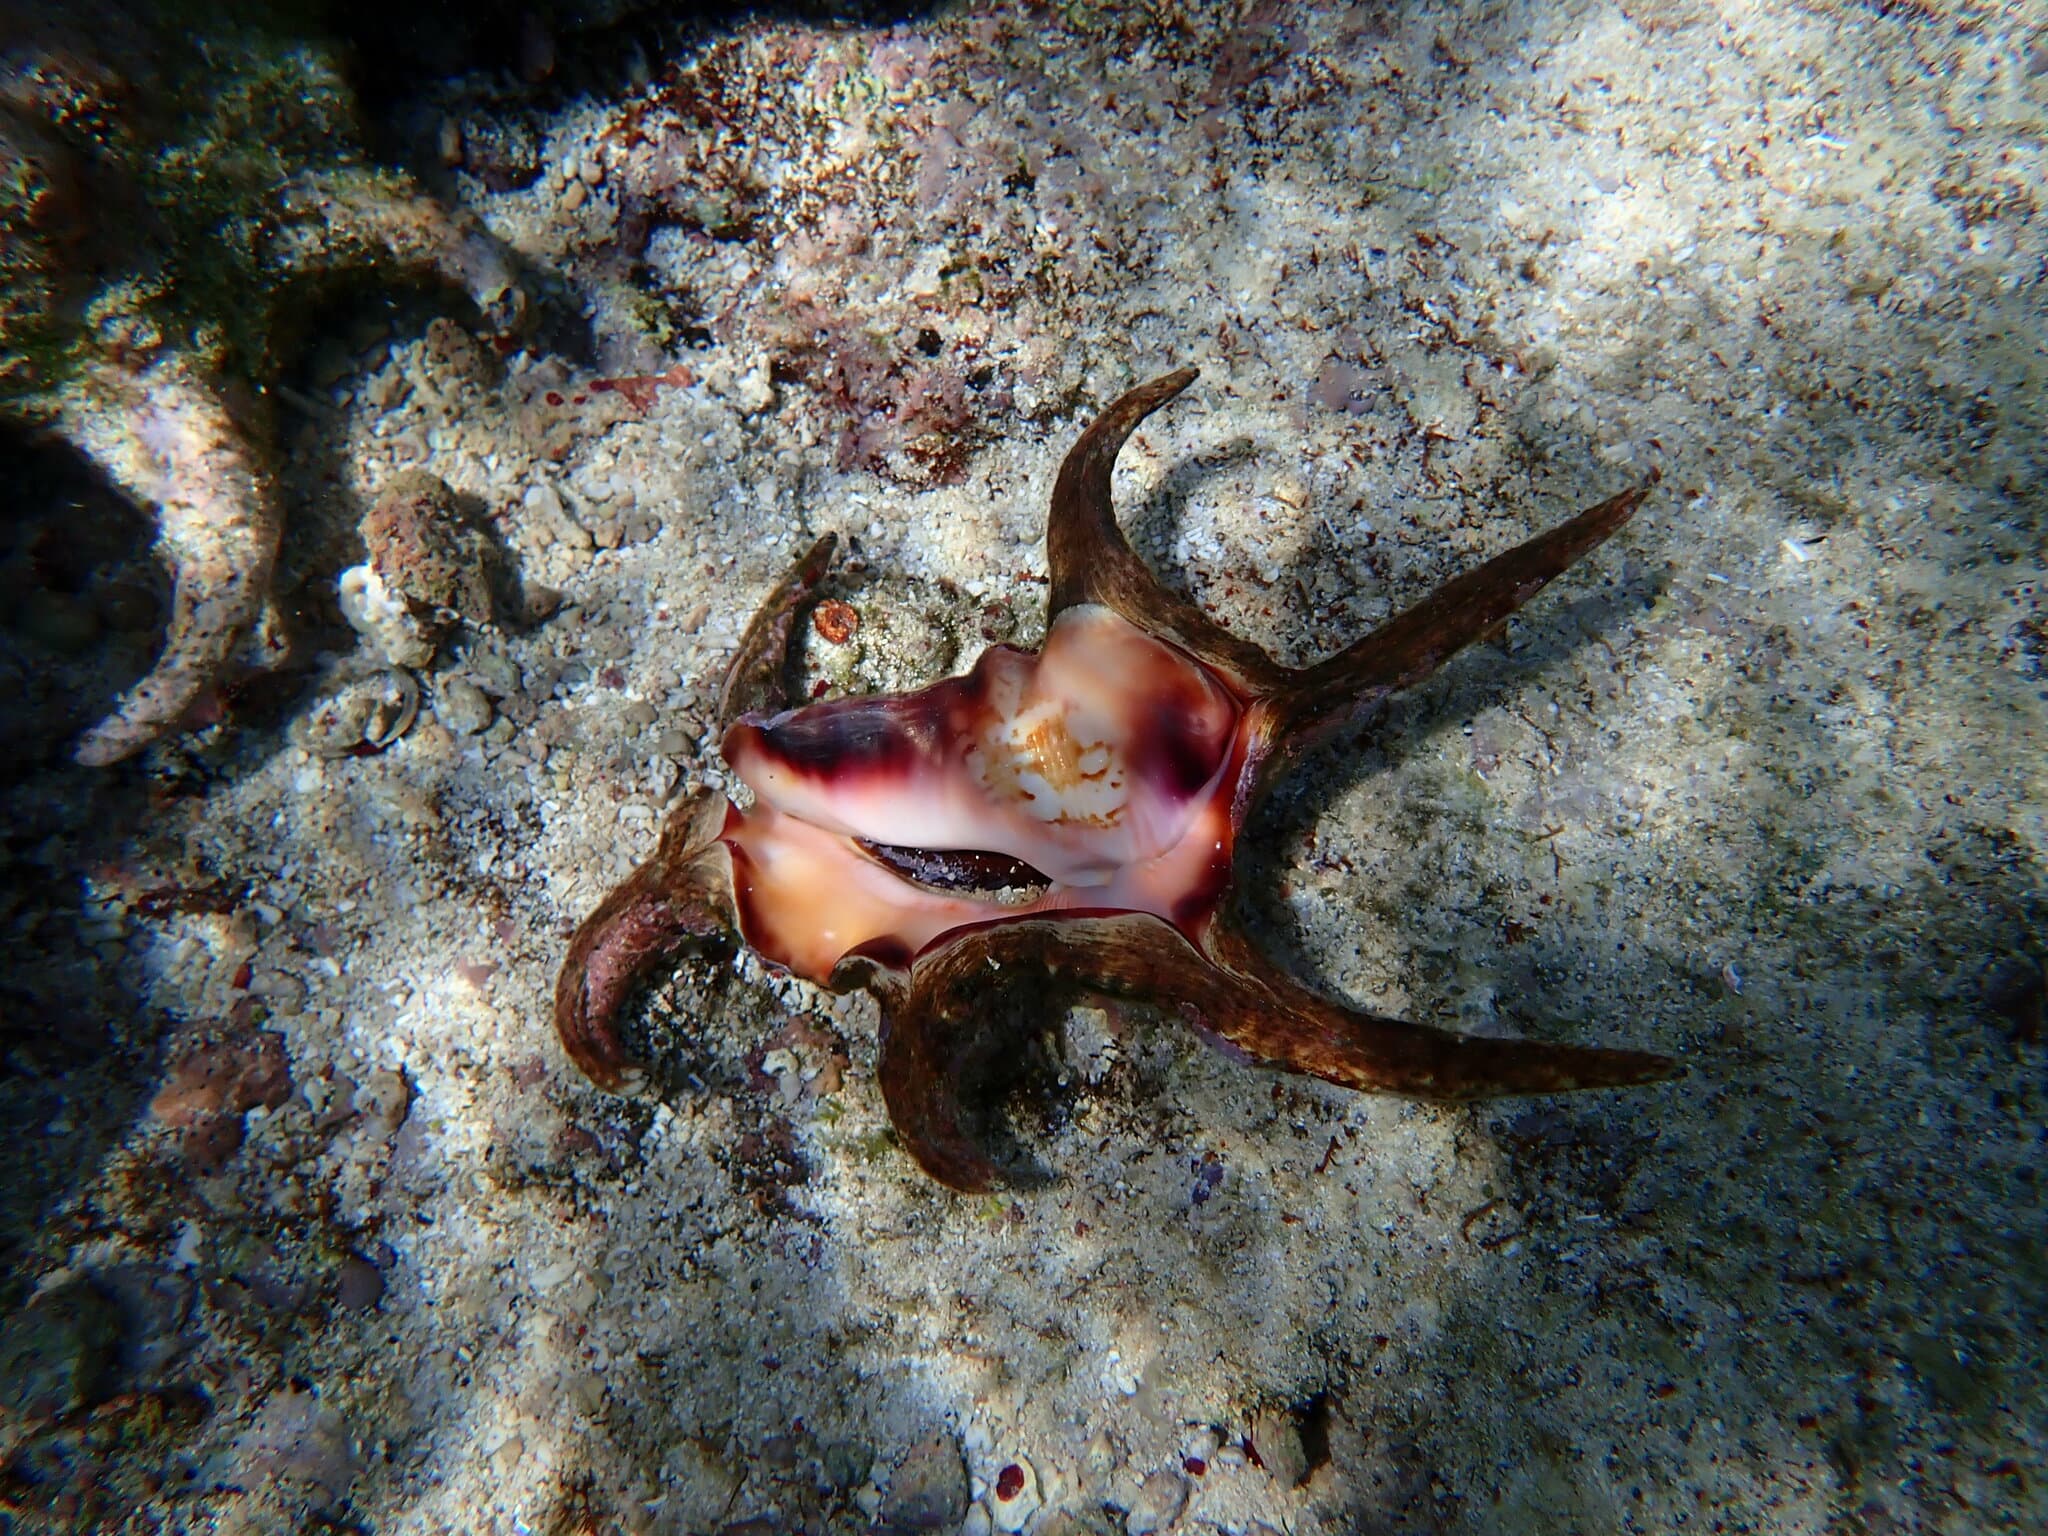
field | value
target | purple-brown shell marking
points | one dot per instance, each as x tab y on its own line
1071	815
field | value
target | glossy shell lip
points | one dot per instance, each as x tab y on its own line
1075	761
1089	765
1112	772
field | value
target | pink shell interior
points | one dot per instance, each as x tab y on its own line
1107	762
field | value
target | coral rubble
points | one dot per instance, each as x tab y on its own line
172	200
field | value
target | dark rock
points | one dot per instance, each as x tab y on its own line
928	1491
156	1307
846	1463
504	154
57	1354
361	1284
213	1082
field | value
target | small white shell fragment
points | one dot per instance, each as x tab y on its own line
396	707
371	711
381	617
550	1276
1118	1377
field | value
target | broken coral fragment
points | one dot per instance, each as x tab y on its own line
164	434
430	568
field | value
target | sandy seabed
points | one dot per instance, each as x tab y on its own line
1760	785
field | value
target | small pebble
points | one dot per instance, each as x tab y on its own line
384	1098
386	389
282	992
928	1490
508	1456
461	706
1277	1439
212	1084
1158	1504
538	601
361	1284
551	514
845	1463
430	567
496	673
